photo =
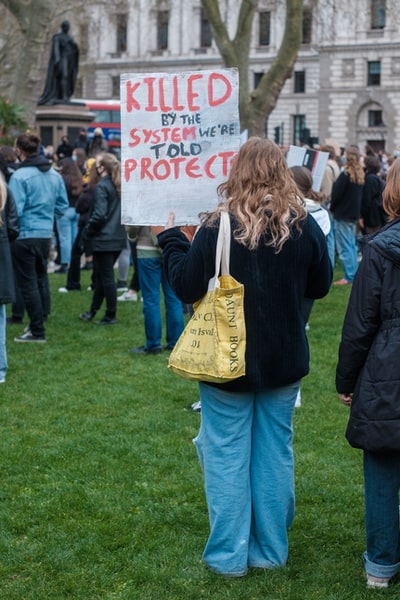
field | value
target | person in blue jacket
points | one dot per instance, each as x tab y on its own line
40	197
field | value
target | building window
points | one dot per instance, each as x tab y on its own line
257	79
378	14
83	41
205	31
299	82
162	29
299	126
307	25
122	33
374	118
264	28
115	86
374	72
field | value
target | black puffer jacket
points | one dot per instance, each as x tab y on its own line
369	353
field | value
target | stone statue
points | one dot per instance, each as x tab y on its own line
62	69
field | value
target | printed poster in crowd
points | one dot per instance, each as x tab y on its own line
179	134
314	160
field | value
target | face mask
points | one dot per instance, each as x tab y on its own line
74	158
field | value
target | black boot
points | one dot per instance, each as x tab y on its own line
62	269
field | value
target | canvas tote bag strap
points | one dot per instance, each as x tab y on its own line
222	251
225	225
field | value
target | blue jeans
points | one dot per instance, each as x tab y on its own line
67	227
382	485
346	245
152	277
3	351
245	450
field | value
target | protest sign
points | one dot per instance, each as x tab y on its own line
314	160
179	134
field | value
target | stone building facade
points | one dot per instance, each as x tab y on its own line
345	84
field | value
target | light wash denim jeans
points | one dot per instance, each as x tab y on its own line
3	351
67	231
346	245
382	485
152	277
245	449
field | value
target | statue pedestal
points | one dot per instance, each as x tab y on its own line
55	120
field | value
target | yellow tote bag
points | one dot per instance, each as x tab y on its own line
213	344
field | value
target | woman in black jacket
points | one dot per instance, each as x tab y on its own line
280	255
9	230
107	237
346	209
368	380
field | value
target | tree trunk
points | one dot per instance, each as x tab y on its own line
30	50
255	108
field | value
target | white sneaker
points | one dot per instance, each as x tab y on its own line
63	290
377	582
3	380
195	406
128	296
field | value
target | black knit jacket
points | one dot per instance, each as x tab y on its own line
346	199
277	351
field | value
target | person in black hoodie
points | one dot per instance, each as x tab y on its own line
368	381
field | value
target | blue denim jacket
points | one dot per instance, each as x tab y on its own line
40	196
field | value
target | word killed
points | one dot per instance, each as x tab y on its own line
160	94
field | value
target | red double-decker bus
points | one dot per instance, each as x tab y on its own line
108	117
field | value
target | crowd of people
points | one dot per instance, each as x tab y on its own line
286	238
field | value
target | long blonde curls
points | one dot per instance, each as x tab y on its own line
352	166
262	196
113	168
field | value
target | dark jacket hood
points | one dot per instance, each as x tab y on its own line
40	162
387	241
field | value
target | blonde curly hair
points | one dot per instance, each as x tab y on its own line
262	196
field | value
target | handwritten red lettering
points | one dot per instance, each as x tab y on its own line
131	103
191	94
177	94
212	79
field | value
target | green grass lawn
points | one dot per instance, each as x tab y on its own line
101	493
